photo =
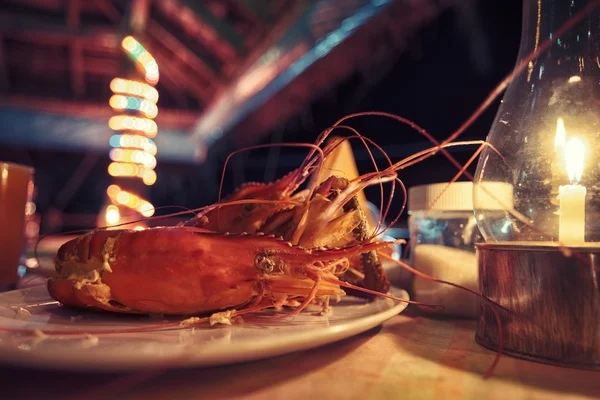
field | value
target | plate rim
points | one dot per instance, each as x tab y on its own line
294	342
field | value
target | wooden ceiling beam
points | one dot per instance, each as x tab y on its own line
138	20
175	119
170	83
4	82
225	33
101	40
183	53
253	11
173	89
175	47
73	14
200	32
43	4
75	52
109	11
15	21
190	85
77	69
36	30
48	62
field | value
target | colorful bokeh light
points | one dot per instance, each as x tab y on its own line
142	58
129	123
120	102
127	199
133	152
112	215
133	156
134	88
134	141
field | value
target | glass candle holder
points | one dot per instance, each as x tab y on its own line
541	266
547	133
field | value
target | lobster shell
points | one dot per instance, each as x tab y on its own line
158	270
179	270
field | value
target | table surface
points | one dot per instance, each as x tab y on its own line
408	357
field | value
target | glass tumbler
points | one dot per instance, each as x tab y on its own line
16	183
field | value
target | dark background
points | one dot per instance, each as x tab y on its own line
446	70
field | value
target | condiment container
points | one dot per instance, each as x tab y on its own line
443	233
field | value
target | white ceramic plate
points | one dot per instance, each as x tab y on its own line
256	338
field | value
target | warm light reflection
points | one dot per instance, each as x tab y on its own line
131	200
133	156
146	209
131	45
126	122
575	78
142	57
574	156
123	197
113	191
149	177
134	88
134	141
122	169
561	134
120	102
130	170
112	215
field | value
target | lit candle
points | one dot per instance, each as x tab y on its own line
572	197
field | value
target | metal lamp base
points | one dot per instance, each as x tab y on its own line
550	300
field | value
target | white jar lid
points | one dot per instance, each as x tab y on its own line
493	196
458	196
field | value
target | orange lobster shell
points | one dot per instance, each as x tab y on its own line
181	270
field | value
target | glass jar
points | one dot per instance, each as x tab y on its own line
443	232
546	134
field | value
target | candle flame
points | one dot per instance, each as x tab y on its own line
574	152
561	134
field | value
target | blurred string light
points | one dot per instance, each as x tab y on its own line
122	197
133	150
134	88
134	142
133	156
120	102
129	123
129	170
113	216
142	58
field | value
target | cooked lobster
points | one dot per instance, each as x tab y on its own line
267	245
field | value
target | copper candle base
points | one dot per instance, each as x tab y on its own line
552	303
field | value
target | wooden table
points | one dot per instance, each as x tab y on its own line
406	358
